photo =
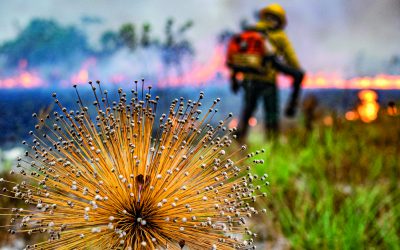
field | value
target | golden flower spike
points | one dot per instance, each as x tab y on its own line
113	177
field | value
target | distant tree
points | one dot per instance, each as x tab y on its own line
175	46
110	42
146	40
128	36
45	42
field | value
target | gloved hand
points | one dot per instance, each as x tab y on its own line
290	110
235	85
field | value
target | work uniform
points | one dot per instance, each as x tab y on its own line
264	86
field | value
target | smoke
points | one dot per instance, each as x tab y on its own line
350	37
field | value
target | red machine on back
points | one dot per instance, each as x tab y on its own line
246	52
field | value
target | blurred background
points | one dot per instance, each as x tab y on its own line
334	168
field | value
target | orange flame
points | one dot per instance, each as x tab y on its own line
83	74
233	123
392	111
351	115
328	120
369	107
201	73
335	81
213	69
23	79
252	122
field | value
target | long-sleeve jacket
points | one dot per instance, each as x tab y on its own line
283	50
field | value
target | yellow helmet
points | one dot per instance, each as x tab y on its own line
275	10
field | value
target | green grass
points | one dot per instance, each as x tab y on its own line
336	187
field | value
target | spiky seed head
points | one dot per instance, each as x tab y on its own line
110	177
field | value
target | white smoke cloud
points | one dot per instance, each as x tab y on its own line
328	35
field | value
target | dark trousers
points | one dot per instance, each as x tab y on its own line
268	93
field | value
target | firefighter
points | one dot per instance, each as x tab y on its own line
263	85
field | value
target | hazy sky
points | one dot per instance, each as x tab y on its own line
328	34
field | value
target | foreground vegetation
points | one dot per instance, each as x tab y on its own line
336	187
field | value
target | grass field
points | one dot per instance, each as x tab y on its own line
336	187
